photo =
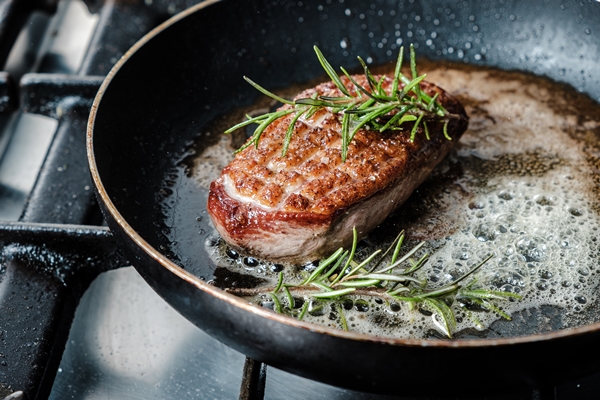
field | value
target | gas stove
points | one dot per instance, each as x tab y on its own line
75	321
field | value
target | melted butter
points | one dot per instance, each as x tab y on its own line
521	184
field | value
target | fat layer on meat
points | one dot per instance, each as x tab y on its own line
303	206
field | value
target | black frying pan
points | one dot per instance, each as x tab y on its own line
187	72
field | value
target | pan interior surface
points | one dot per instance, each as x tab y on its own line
151	133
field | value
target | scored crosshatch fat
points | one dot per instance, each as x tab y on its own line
302	205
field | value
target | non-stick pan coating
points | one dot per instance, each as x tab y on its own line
188	72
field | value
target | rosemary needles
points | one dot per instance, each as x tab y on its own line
388	278
357	106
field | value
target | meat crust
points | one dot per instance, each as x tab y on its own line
303	206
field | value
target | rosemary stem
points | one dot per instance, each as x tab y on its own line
279	282
335	266
396	245
288	294
402	259
266	92
360	283
276	303
322	287
440	292
322	265
333	294
475	268
303	291
361	265
303	311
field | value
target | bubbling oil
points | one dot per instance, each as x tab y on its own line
521	184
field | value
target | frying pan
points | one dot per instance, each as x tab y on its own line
148	117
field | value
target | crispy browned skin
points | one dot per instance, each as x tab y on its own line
304	205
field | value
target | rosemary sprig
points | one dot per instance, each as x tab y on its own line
387	280
369	108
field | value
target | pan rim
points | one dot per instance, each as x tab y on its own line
240	303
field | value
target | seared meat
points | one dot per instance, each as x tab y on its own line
303	206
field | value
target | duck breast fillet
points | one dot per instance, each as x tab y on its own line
303	206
